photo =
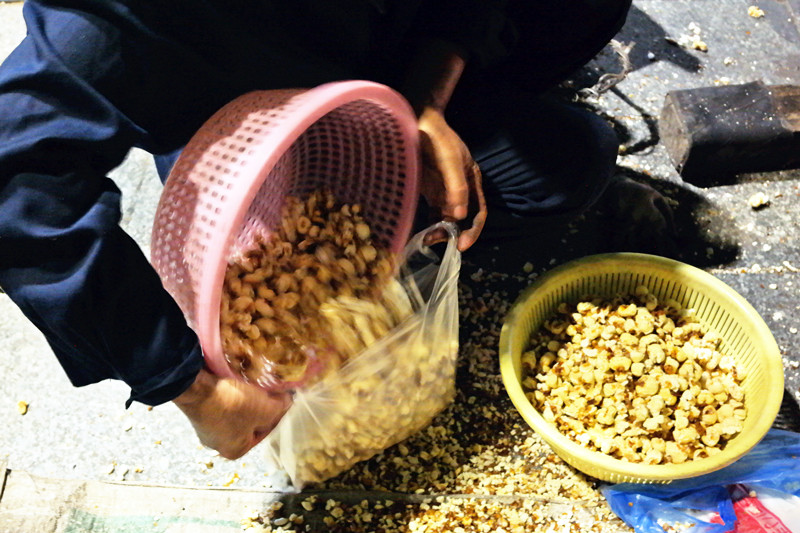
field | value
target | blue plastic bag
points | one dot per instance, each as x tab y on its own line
774	463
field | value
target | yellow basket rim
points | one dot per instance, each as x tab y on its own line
576	454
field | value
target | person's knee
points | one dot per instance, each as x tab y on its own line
546	158
602	143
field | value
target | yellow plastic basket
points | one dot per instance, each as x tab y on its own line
719	308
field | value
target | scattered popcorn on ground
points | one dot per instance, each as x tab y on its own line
758	200
692	40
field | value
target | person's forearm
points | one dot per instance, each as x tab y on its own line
199	391
433	75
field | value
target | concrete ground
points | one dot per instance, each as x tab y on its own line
88	434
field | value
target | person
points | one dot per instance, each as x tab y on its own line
93	79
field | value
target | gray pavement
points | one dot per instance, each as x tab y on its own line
88	434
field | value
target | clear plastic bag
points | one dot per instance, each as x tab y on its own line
706	503
390	390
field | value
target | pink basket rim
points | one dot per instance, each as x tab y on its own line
313	104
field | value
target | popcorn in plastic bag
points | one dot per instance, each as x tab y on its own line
394	387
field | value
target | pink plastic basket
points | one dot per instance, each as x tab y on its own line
358	139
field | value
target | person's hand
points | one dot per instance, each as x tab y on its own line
229	415
451	179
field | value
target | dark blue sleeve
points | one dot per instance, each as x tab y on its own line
64	260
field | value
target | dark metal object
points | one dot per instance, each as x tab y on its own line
714	133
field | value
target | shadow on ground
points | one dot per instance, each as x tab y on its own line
700	238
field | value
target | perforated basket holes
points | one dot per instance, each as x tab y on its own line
259	113
711	314
197	194
171	232
374	166
357	152
264	212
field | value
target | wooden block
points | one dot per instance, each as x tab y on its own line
714	133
